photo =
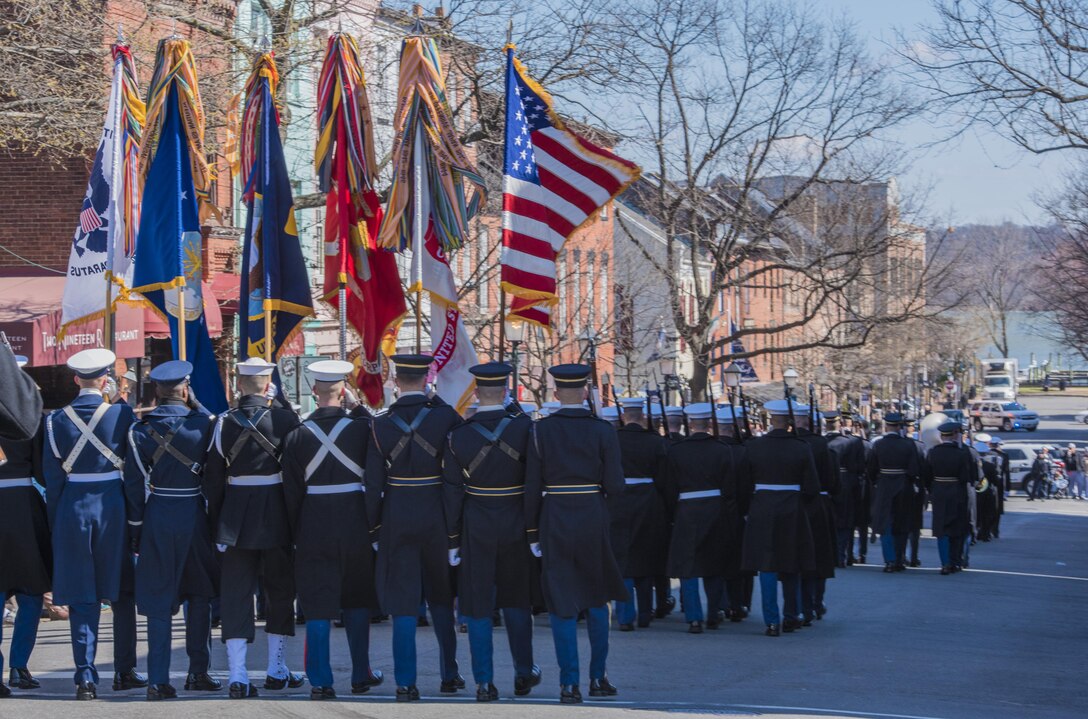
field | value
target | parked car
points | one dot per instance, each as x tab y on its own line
1006	416
1082	416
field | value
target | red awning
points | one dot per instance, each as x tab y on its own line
30	316
227	287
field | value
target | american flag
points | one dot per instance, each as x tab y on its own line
89	220
553	183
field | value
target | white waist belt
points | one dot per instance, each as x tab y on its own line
826	494
638	480
19	482
335	488
256	480
94	477
701	494
779	487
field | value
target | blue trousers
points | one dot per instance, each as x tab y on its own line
519	633
25	632
318	661
83	622
893	546
404	645
124	620
791	594
565	635
693	601
640	589
198	630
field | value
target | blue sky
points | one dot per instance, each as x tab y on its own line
977	178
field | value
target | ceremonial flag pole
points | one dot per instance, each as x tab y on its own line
435	194
176	179
275	285
104	242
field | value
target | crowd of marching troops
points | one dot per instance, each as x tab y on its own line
416	509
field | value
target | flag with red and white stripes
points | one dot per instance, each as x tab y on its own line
554	182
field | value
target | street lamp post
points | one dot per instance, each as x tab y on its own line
515	332
667	365
790	379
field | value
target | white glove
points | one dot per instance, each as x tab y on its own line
455	556
534	547
375	545
350	400
221	547
271	392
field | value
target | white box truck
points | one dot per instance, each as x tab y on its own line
999	379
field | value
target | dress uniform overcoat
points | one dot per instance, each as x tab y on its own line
27	551
850	452
484	495
893	470
25	544
243	482
248	517
778	537
820	511
85	500
918	499
404	503
326	505
640	527
702	489
575	459
177	556
948	475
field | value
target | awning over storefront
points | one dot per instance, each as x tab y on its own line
30	316
156	327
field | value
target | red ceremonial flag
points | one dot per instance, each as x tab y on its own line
345	164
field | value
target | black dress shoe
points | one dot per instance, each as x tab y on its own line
806	621
602	688
375	679
861	559
821	611
889	567
695	628
450	686
22	679
670	604
238	690
423	622
773	630
840	564
915	563
643	623
945	571
202	682
627	627
4	691
791	625
850	561
123	681
300	619
85	691
320	694
735	616
408	694
462	629
570	694
158	692
900	567
293	681
487	693
524	685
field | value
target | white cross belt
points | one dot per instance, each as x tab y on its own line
17	482
255	480
779	487
94	477
638	480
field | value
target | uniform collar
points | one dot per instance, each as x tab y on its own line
411	399
633	427
571	410
489	414
171	410
326	412
252	400
490	408
90	390
779	433
412	393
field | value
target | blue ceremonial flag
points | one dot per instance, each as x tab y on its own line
747	371
275	282
169	259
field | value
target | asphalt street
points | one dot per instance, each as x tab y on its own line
1004	639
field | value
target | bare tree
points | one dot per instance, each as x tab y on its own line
1019	66
749	110
1065	293
53	79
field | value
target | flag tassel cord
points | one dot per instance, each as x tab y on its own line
417	227
182	354
268	338
502	324
342	303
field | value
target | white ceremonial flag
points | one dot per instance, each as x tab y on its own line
104	242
